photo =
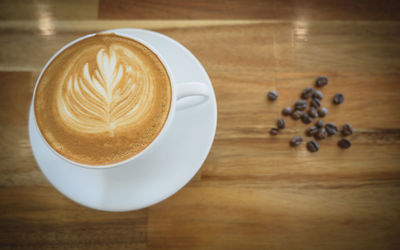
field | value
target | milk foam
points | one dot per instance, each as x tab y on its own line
102	100
113	91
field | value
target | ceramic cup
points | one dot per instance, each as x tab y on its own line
184	95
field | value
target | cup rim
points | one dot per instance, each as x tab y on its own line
150	146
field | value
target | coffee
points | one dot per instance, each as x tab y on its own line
274	131
321	134
313	112
344	143
319	124
287	111
306	118
281	123
347	129
296	114
102	100
300	105
322	112
318	94
331	128
272	95
311	131
321	81
338	98
307	93
295	141
312	146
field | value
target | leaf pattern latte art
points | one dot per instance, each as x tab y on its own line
112	92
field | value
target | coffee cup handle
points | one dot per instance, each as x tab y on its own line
190	94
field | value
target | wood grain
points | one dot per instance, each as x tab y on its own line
253	191
282	46
276	218
251	9
41	218
46	10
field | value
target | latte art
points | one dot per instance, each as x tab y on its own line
114	92
102	100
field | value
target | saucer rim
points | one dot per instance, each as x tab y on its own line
33	129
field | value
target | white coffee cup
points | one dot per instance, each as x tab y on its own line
184	95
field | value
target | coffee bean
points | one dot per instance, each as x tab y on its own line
322	134
300	105
316	103
313	112
272	95
274	131
318	94
311	131
322	112
319	124
312	146
307	93
338	99
331	128
295	141
321	81
306	118
347	129
281	123
344	143
296	114
287	111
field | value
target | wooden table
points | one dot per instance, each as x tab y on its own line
253	191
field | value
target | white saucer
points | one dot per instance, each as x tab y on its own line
152	178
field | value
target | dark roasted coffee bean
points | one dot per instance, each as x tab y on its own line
344	143
347	129
322	134
281	123
274	131
287	111
295	141
318	94
316	103
331	128
312	146
272	95
319	124
296	114
338	99
300	105
311	131
306	118
307	93
313	112
322	112
321	81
